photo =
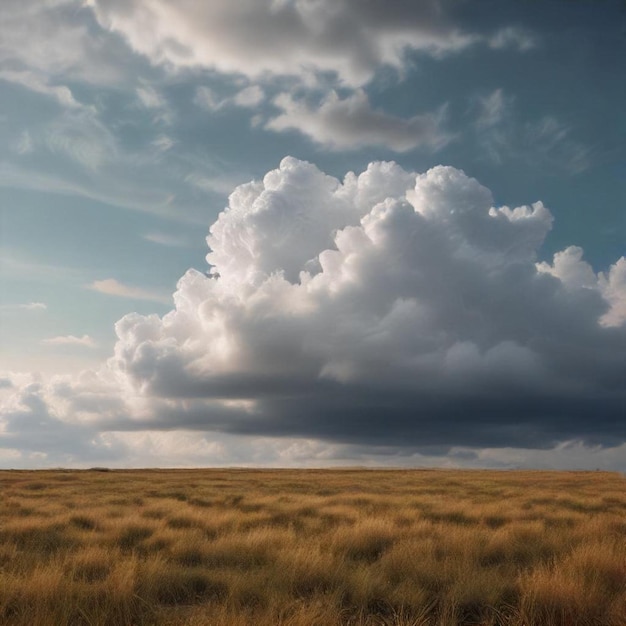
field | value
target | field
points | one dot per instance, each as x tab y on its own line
304	547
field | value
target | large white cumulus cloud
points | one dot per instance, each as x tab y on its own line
390	304
390	308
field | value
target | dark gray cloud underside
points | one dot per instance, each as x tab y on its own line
359	415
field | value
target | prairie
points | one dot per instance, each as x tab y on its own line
312	547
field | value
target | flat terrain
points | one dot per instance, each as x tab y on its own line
303	547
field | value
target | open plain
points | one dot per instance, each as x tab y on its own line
302	547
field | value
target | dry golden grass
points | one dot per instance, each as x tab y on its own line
312	547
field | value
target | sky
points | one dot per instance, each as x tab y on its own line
313	233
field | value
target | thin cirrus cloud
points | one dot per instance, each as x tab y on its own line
153	101
248	98
513	37
24	144
351	123
71	340
124	193
27	306
150	98
391	311
543	142
34	306
112	287
30	80
165	239
85	142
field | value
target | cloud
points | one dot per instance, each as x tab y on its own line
544	142
207	99
53	39
14	264
351	123
553	143
35	436
165	239
149	97
114	187
58	50
112	287
70	340
152	100
29	306
613	287
34	306
391	307
493	109
85	140
572	270
216	182
390	311
163	143
249	97
260	38
513	37
62	94
24	145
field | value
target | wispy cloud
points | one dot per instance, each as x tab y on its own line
207	99
14	264
34	306
163	143
71	340
112	287
84	139
164	239
545	141
552	140
215	184
29	306
248	98
62	94
492	109
149	97
156	103
514	37
24	144
110	187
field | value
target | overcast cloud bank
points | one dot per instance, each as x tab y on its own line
392	310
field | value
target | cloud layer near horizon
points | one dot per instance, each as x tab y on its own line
388	309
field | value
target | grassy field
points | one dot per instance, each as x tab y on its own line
303	547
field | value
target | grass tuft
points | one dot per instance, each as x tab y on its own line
131	536
83	522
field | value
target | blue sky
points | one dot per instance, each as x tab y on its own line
126	125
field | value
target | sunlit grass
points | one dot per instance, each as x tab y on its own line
291	547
